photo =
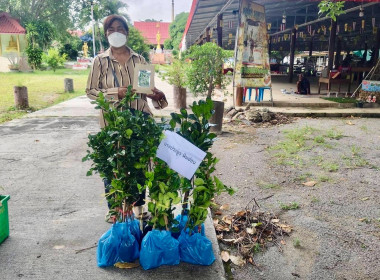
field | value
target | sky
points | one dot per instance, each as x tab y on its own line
139	10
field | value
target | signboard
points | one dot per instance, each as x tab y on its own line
371	85
80	66
252	68
181	155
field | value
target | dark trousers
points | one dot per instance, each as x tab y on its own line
107	187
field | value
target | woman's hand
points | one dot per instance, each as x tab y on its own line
121	92
156	95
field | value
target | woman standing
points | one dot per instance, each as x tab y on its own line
113	71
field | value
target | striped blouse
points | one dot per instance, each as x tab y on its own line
101	79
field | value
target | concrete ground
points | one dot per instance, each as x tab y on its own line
55	210
56	213
289	104
336	228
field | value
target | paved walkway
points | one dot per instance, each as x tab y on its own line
55	210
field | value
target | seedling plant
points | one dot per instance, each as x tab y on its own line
122	150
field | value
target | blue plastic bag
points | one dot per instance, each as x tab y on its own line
195	249
182	219
129	247
158	248
108	247
134	226
118	244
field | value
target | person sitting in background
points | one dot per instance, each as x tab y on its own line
345	68
303	85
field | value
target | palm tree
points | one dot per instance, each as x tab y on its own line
102	9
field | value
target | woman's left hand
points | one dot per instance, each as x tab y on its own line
156	95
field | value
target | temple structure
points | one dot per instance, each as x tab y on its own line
12	40
152	31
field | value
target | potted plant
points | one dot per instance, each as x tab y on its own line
13	59
122	150
176	75
203	187
159	247
205	71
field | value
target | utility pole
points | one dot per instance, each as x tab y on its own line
172	10
93	27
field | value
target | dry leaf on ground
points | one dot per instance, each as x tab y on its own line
126	265
225	256
251	230
310	184
225	207
227	219
220	227
230	240
285	228
237	260
241	213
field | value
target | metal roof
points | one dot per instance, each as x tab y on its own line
297	12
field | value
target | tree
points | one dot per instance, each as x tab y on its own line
176	29
55	13
40	33
152	20
102	9
53	58
331	8
205	69
137	43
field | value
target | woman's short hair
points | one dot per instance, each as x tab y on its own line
110	19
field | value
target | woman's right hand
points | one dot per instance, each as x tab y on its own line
121	92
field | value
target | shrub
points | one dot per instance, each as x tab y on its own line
34	56
53	59
205	69
69	50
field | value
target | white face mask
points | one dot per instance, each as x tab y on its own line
117	39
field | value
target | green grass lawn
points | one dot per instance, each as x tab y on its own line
341	99
45	88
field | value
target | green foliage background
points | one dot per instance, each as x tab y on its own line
176	29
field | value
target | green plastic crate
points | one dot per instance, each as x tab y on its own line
4	220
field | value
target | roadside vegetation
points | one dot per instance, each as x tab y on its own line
305	147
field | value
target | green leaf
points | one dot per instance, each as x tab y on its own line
176	200
199	181
151	207
129	132
184	113
172	123
200	189
161	221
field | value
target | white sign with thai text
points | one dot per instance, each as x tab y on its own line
181	155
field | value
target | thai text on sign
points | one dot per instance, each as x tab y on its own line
181	155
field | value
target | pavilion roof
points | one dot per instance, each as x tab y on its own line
298	13
9	25
149	30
